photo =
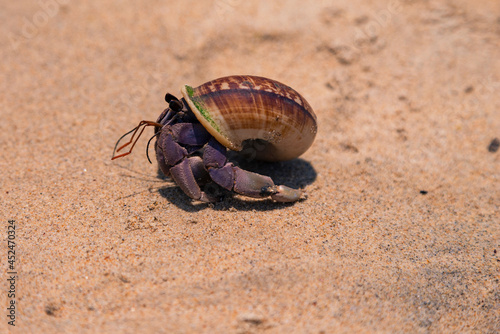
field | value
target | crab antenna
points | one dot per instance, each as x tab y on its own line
173	118
147	147
142	124
114	150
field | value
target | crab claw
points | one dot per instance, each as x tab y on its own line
256	185
286	194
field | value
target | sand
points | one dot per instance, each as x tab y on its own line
401	228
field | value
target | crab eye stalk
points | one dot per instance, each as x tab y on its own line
175	105
169	97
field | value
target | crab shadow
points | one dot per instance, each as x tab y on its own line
296	173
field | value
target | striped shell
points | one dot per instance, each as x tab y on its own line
237	110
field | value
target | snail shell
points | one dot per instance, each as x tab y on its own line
238	110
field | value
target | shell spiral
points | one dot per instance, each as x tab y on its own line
238	110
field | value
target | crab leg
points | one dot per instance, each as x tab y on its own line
241	181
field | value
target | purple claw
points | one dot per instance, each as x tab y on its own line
241	181
252	184
184	177
160	157
172	151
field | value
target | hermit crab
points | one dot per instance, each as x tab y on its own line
263	118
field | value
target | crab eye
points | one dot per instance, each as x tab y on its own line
169	97
175	105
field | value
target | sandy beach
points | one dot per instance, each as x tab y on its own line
400	231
